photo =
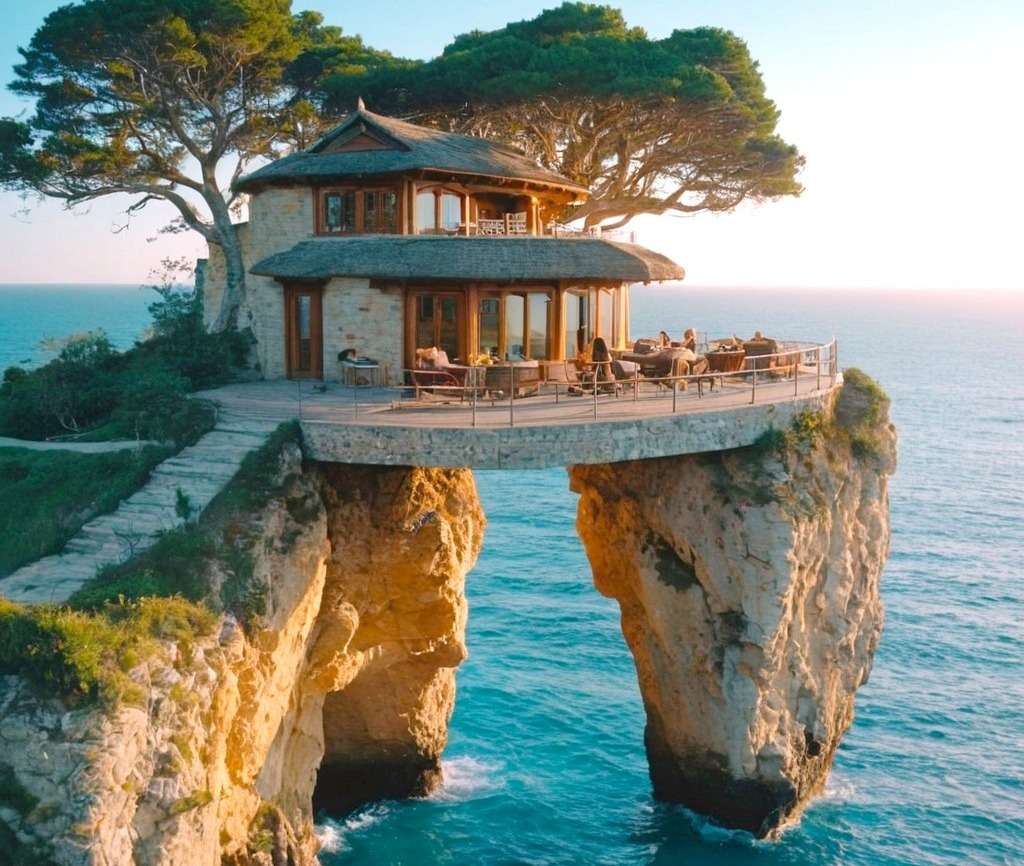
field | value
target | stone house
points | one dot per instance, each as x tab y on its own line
386	237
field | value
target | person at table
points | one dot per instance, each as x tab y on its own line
690	340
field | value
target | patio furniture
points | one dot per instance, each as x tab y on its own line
756	351
725	360
361	373
515	224
490	227
498	379
437	383
566	373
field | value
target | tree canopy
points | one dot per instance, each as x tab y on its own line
676	125
160	99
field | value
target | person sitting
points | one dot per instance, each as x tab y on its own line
664	340
690	339
601	362
759	346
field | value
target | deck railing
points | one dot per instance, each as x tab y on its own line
807	367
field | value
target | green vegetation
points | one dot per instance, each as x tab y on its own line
674	125
861	408
180	562
46	496
161	100
84	651
93	391
86	656
192	801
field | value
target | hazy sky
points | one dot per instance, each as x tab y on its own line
910	114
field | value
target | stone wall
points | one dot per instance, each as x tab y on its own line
366	319
355	315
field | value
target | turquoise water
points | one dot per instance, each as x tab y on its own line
546	761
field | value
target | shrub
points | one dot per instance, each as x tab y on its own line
139	393
78	655
861	409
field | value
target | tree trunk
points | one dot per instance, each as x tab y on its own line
234	264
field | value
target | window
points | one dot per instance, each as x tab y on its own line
537	313
347	211
379	207
515	315
339	212
579	329
606	315
490	322
451	211
426	216
438	210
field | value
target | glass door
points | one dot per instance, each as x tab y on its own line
304	332
438	323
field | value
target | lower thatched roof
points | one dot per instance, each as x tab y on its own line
469	258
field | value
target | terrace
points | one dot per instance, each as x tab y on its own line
512	420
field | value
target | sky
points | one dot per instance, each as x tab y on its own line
909	113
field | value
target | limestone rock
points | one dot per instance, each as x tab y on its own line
749	588
361	574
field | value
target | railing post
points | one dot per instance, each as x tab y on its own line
512	395
796	377
636	384
675	394
475	387
817	367
596	366
753	384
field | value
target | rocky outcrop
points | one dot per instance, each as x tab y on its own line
403	543
749	588
357	575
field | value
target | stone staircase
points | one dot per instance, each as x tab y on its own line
199	472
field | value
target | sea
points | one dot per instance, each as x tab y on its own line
545	764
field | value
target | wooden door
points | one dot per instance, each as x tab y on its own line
304	331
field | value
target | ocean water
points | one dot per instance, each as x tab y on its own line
546	763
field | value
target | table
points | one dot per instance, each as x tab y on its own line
361	375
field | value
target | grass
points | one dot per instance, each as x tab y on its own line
180	562
83	651
46	496
86	656
860	410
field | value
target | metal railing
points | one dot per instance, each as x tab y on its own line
495	399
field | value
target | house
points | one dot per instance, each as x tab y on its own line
385	237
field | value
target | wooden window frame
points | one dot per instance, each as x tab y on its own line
501	294
360	198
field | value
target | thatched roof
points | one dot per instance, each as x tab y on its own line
403	147
505	259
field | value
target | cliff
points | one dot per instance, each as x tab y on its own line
351	579
748	583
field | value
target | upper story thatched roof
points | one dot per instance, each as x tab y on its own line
368	144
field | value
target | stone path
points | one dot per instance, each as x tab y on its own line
200	472
80	447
